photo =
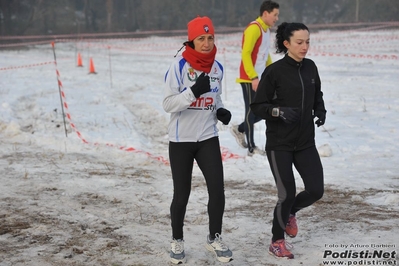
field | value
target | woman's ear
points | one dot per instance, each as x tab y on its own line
286	44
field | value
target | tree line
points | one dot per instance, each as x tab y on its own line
50	17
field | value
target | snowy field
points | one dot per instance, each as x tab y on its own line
98	193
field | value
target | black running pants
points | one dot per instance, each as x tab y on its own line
209	159
250	118
308	164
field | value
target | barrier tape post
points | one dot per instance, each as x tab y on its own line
225	75
110	68
59	89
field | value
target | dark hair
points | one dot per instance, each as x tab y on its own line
284	32
190	43
268	6
187	43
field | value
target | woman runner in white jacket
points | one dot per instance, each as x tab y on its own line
192	97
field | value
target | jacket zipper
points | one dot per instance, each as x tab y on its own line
302	103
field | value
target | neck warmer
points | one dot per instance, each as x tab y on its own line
200	61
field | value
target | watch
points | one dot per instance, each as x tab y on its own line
276	112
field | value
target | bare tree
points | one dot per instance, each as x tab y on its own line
19	17
109	14
5	17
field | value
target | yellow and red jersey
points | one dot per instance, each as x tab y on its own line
255	51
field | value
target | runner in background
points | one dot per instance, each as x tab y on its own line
254	58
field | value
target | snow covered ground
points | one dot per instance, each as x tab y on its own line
101	194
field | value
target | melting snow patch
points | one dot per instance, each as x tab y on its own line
325	150
389	199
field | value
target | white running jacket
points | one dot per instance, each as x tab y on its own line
191	119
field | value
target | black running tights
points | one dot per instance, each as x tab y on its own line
250	119
208	157
308	164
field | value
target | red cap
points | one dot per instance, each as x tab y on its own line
199	26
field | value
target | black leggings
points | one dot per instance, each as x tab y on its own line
209	159
250	118
308	164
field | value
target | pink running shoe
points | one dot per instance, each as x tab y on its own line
279	250
291	228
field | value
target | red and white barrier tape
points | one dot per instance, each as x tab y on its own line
226	154
369	56
27	66
80	136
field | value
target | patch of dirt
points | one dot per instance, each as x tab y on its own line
46	221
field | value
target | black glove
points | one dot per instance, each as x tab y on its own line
289	115
223	115
321	118
201	86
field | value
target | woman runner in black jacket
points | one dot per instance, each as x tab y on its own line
289	98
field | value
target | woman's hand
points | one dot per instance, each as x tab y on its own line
202	85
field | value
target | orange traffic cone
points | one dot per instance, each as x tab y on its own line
91	70
80	64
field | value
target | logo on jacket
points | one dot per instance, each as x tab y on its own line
312	81
192	75
203	103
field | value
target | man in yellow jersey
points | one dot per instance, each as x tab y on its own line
255	58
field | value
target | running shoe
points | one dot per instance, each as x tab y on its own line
177	255
239	136
256	150
219	248
279	250
291	228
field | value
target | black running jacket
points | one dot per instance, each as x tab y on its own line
289	83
